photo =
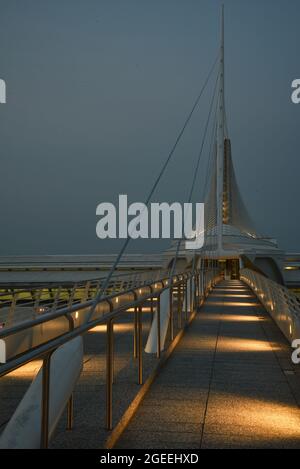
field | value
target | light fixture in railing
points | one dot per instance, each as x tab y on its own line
76	315
117	300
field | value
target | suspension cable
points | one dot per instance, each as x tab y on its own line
101	292
196	171
210	155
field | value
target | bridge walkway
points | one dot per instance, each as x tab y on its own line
230	383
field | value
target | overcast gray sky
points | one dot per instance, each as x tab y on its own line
97	91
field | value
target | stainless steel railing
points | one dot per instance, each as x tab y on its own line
282	304
107	311
29	303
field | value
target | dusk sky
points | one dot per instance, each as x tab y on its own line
97	91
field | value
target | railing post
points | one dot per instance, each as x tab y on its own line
200	290
112	354
196	292
140	347
37	299
151	306
70	412
191	294
109	373
135	331
135	327
158	326
171	314
197	288
185	289
45	401
179	308
12	308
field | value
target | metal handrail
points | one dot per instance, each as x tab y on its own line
203	281
77	307
76	294
282	304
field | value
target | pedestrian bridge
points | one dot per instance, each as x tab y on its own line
174	355
229	383
224	380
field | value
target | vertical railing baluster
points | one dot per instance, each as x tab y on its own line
140	347
135	333
171	320
109	373
158	326
45	398
186	300
70	412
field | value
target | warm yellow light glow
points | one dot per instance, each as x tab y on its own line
226	295
100	328
117	328
291	329
232	317
76	315
145	309
269	420
233	304
27	371
117	300
233	344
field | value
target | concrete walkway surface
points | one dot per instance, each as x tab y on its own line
230	383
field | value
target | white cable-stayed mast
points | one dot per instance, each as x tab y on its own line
220	140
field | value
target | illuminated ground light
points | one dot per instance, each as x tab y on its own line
233	292
232	317
27	371
267	420
233	304
228	295
117	328
233	344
